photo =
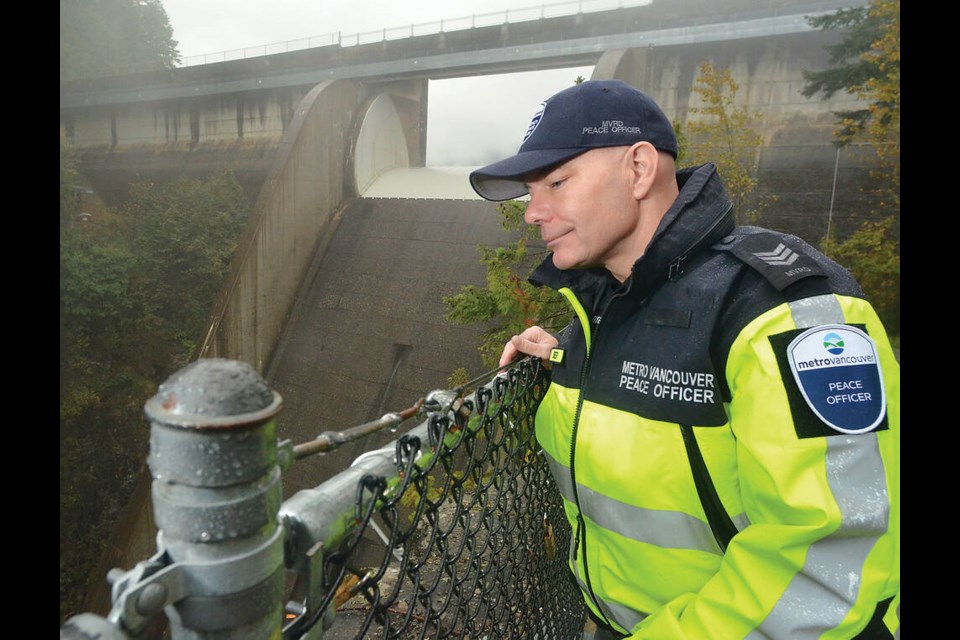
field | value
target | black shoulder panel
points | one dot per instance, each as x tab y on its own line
779	258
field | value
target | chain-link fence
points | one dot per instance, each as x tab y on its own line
455	530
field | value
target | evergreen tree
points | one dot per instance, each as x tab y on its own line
114	37
866	64
509	303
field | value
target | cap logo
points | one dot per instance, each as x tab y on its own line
537	117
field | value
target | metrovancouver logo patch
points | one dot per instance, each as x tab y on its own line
838	372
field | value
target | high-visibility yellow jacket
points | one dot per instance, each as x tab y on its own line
724	428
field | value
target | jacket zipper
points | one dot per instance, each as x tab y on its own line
676	267
581	530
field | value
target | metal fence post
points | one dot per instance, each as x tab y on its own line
216	495
219	567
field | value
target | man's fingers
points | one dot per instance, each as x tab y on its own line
535	344
534	341
528	346
509	354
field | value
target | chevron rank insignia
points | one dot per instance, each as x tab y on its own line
776	260
838	372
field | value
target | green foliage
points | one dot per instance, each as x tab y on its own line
872	254
136	289
866	64
185	234
683	143
847	68
113	37
69	178
460	376
868	53
509	303
723	134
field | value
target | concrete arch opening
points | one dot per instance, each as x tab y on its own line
381	144
470	121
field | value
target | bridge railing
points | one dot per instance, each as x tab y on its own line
494	18
455	530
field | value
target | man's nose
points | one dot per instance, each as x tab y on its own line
535	209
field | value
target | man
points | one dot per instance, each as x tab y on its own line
723	417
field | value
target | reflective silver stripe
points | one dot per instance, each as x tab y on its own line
741	521
817	310
622	615
625	616
665	529
561	474
821	595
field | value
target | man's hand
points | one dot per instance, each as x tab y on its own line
534	341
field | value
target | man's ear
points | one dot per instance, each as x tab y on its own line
644	162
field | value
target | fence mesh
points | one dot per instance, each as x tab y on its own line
467	540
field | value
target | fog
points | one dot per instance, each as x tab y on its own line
475	121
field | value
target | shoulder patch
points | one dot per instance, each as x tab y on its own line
778	260
837	370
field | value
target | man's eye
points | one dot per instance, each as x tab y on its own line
554	185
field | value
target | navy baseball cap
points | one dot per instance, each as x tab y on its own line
589	115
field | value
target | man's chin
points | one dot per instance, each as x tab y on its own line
563	262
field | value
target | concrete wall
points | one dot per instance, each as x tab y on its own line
798	159
192	137
296	209
196	136
185	122
381	145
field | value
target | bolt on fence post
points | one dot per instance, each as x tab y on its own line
216	495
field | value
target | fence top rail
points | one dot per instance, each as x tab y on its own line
561	9
443	25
